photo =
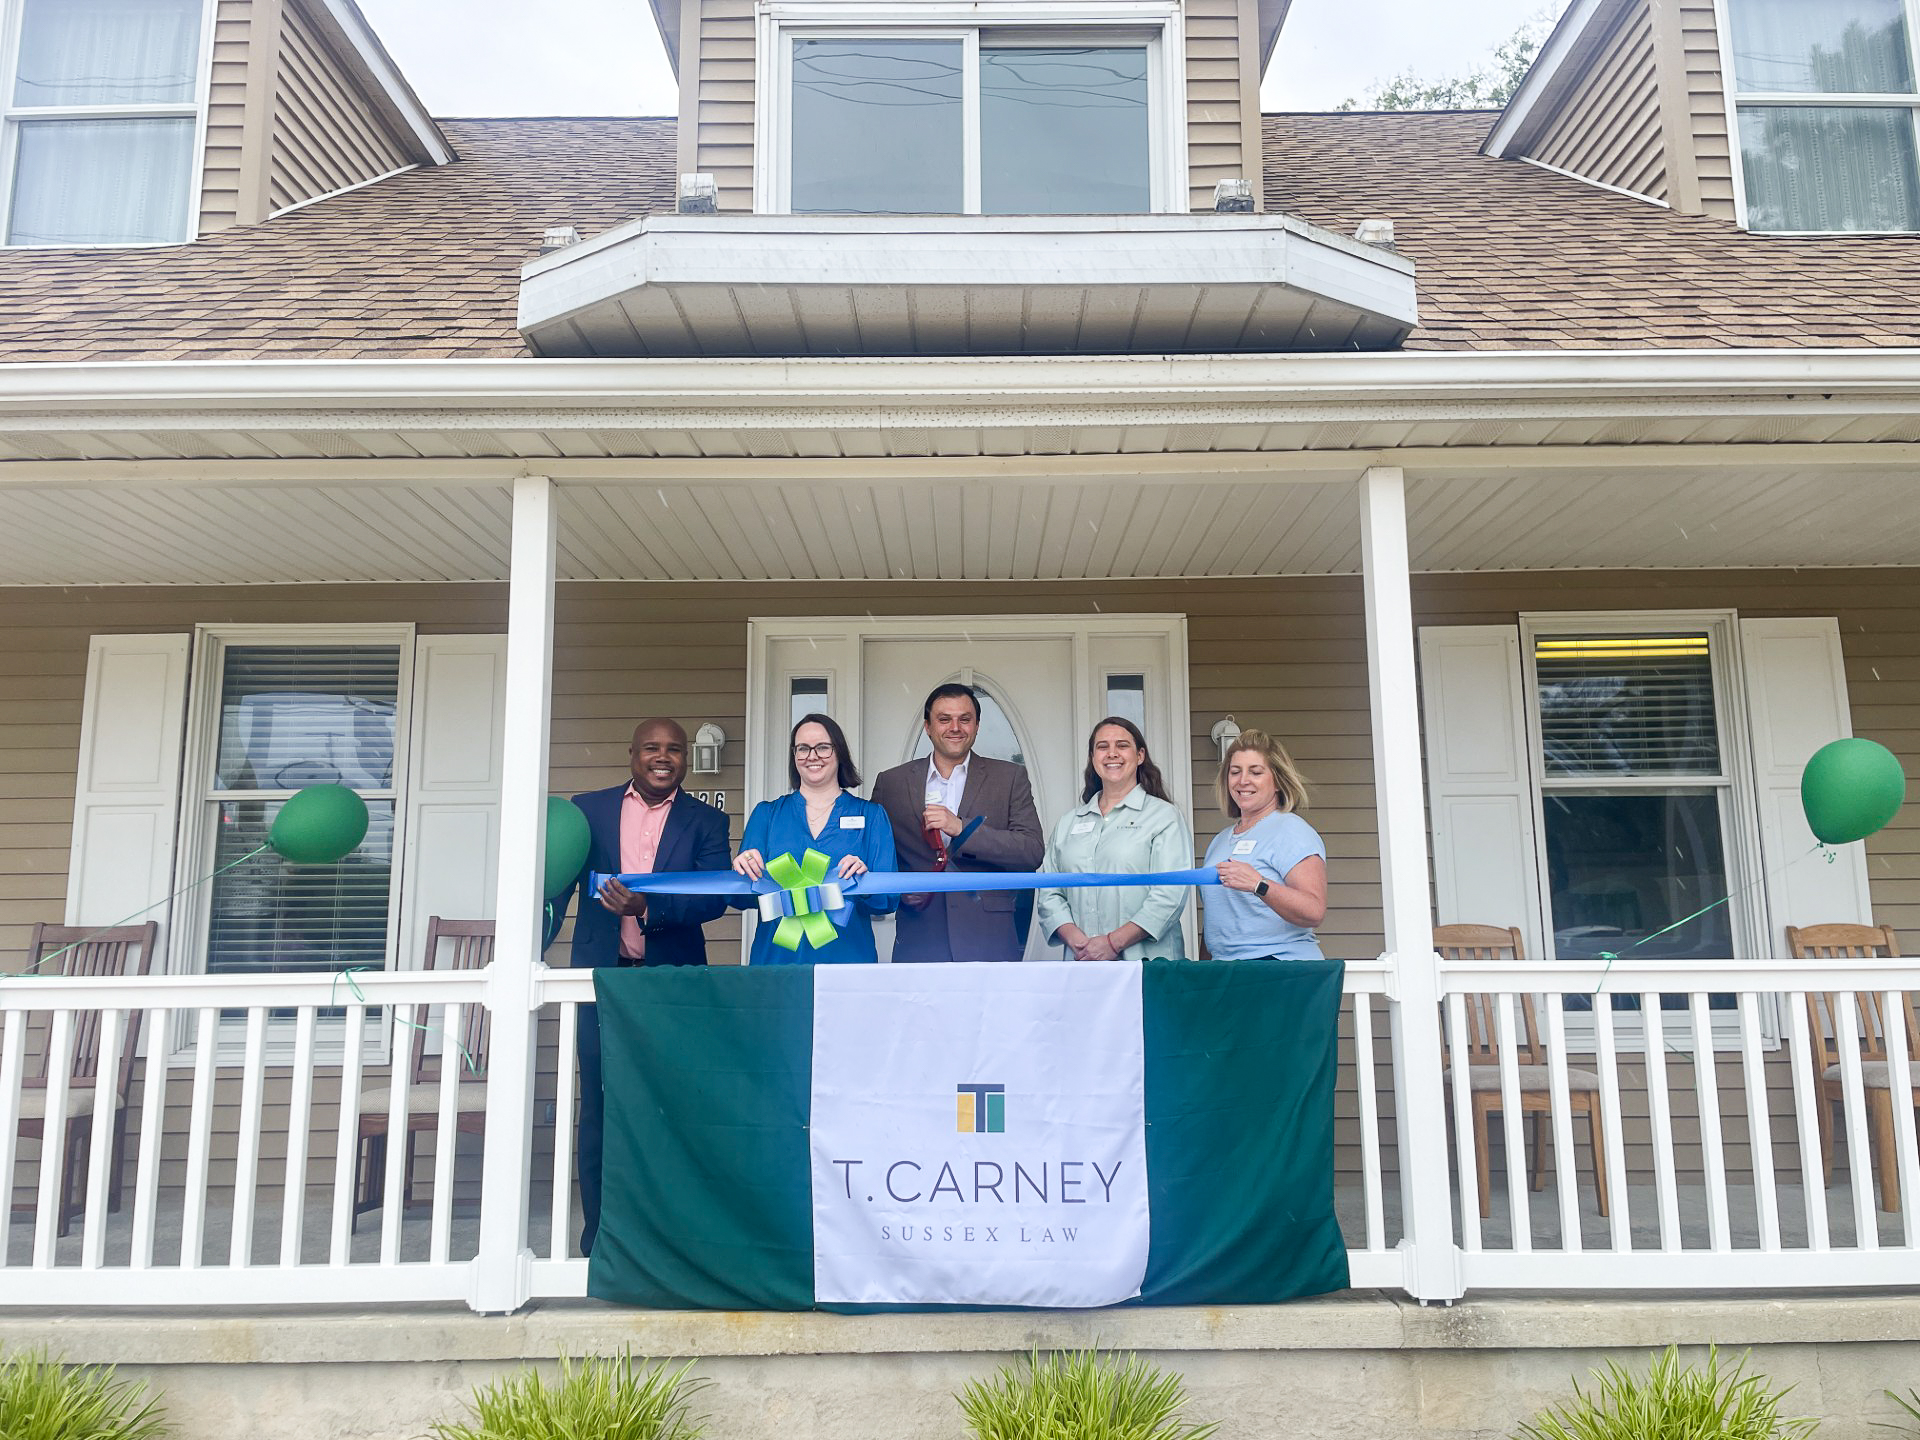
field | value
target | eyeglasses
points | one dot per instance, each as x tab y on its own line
810	752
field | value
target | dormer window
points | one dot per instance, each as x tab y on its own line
972	119
102	113
1826	102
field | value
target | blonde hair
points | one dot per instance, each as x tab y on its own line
1287	780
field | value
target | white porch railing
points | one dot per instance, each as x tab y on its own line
1712	1134
209	1217
246	1142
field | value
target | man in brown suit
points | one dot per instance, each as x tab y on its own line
930	802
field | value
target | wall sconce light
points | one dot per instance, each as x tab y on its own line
708	741
1225	731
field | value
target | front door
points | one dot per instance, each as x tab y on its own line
1043	682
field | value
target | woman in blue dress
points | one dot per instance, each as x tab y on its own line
1272	864
822	813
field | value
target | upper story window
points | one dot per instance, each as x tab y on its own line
973	119
102	111
1827	104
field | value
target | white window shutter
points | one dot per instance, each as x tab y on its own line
1797	702
1479	784
453	785
126	808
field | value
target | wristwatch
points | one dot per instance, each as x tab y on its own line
1261	889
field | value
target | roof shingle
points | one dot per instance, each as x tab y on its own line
427	264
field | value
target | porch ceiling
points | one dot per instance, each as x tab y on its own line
946	521
1019	468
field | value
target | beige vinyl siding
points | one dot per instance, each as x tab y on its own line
1217	43
1609	128
1288	655
723	103
223	160
326	135
1707	107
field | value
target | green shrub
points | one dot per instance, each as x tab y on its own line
1675	1402
1910	1402
1079	1395
41	1399
602	1398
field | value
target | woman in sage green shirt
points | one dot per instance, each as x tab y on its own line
1125	825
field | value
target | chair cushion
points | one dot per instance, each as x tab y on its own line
424	1099
1532	1077
1873	1073
33	1101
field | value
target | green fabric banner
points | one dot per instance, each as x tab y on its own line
709	1183
706	1201
1240	1073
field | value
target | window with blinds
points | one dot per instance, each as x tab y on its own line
1634	795
1623	705
292	716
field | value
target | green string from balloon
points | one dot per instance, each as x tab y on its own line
1612	955
360	995
56	954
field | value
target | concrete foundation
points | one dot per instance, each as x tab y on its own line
1354	1365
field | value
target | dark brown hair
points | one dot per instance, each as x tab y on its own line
1148	775
849	775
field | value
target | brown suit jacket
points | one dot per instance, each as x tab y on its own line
964	926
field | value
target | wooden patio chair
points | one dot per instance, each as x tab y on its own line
1855	942
468	945
122	950
1482	1051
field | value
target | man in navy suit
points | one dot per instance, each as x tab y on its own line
648	824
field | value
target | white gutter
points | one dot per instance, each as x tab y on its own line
1065	382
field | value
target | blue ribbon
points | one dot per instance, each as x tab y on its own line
896	882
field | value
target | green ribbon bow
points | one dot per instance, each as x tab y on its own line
805	921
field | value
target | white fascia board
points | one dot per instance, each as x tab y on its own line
1552	71
778	251
108	389
377	67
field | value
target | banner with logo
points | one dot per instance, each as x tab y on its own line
1058	1135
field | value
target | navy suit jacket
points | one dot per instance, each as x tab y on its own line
695	838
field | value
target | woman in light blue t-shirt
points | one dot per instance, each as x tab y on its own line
1272	864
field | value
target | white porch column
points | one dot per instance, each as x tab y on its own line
1399	791
501	1269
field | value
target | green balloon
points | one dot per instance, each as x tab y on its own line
568	840
319	825
1850	789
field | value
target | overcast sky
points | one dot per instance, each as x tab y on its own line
603	57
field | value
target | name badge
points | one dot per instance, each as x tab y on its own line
1243	847
1082	827
853	822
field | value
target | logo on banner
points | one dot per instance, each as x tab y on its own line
983	1109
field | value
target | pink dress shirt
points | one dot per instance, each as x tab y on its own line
641	826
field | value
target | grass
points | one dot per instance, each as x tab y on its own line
600	1398
1674	1402
41	1399
1079	1395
